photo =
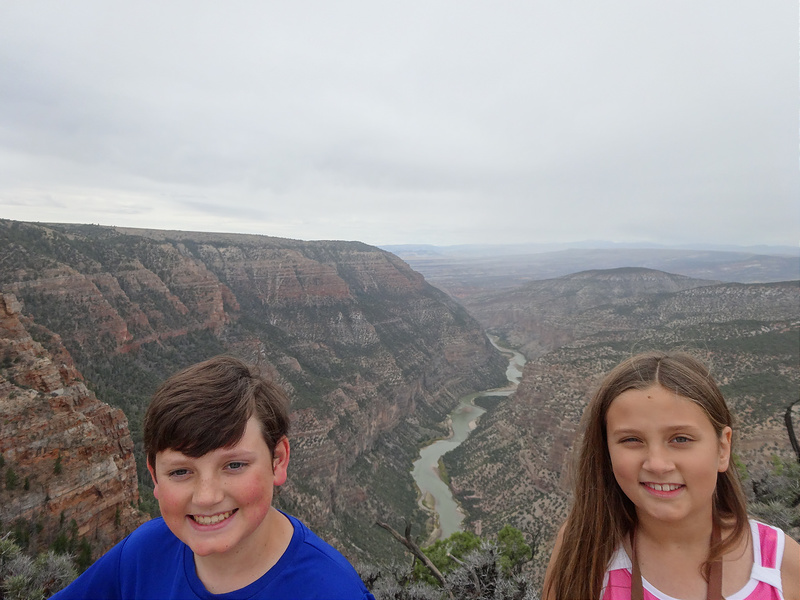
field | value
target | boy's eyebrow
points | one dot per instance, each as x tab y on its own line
227	452
171	460
178	456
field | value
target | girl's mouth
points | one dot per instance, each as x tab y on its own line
212	519
662	487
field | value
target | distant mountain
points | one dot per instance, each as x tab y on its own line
465	270
372	355
485	250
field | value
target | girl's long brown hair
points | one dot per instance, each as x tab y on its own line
601	514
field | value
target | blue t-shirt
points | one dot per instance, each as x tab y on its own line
152	564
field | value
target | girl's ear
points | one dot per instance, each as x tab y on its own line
725	449
280	461
152	470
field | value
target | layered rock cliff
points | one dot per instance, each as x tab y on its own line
372	356
66	455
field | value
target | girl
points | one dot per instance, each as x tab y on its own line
657	512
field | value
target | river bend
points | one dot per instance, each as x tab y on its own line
435	495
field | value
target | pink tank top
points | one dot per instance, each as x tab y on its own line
765	576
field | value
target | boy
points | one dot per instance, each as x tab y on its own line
215	438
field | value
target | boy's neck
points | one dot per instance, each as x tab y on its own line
239	567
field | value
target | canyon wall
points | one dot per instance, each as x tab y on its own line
66	455
372	356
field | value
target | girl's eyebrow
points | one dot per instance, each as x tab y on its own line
670	428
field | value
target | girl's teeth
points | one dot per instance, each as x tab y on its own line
212	519
664	487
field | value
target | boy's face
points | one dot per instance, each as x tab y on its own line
220	502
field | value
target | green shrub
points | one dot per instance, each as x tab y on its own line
11	479
25	578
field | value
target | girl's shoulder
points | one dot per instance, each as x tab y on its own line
775	550
790	569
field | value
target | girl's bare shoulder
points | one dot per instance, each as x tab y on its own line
553	555
790	569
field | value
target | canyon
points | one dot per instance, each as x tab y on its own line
374	358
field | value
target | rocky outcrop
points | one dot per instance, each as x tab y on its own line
66	455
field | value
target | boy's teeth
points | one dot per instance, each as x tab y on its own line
212	519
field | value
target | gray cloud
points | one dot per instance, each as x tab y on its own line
438	122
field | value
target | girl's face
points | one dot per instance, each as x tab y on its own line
665	454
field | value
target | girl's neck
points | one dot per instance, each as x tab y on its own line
696	530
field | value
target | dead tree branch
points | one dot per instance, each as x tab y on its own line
787	418
416	551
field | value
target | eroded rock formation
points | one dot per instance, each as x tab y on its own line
66	455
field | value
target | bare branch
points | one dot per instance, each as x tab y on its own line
416	551
787	418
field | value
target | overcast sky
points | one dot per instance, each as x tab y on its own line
406	122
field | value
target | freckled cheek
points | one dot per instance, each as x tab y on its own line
257	495
173	505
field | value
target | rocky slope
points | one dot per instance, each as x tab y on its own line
66	455
542	315
515	466
372	355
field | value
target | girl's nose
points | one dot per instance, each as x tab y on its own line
658	461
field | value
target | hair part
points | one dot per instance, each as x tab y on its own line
602	515
207	405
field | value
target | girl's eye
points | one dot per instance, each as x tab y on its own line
629	440
681	439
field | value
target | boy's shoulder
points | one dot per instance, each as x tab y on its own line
312	563
151	548
153	531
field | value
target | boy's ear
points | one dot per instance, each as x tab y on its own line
152	470
280	461
725	449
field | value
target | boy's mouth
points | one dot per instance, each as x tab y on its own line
212	519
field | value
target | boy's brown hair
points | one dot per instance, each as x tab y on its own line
207	405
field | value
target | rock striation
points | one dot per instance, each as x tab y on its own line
66	455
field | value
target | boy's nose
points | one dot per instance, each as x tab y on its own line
208	492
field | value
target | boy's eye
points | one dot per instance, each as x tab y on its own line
236	465
178	472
